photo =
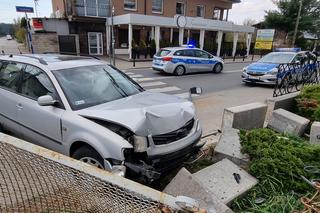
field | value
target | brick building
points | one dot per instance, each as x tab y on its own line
174	22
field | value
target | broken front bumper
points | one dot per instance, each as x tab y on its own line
162	158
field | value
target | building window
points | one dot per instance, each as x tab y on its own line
157	6
216	13
200	11
91	8
180	9
130	4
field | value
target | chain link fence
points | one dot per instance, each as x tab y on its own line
34	179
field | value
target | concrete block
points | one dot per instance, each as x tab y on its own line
315	133
284	121
229	147
286	102
183	184
219	179
249	116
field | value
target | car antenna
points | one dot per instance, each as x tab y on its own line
2	52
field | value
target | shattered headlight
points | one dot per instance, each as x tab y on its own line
140	144
274	71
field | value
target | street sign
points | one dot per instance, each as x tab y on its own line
24	9
264	39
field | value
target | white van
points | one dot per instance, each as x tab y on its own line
9	37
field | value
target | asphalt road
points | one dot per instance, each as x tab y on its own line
220	91
9	46
210	82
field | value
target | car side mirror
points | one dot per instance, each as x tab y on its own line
46	100
297	62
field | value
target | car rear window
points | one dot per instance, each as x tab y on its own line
163	52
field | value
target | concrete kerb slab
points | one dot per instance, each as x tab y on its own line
248	116
284	102
184	184
229	147
315	133
283	121
220	180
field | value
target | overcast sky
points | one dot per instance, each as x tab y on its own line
253	9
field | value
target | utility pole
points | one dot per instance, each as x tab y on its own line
111	34
297	24
113	37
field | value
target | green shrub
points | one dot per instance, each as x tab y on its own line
278	162
308	102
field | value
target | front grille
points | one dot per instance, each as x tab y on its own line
255	74
175	135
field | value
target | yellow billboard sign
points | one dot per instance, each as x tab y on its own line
264	39
262	45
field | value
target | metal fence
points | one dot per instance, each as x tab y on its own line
292	77
34	179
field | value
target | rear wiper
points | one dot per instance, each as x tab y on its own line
115	83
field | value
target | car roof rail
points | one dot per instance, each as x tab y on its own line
39	59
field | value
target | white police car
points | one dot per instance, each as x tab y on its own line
265	70
186	59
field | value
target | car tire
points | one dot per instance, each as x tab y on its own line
217	68
88	155
179	70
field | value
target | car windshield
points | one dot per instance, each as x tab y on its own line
93	85
277	58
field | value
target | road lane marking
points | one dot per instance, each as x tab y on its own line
184	95
164	89
152	79
152	84
130	73
232	71
135	76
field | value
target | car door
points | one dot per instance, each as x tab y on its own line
190	60
40	124
10	76
204	61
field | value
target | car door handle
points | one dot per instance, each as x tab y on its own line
19	106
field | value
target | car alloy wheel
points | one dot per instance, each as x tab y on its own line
180	70
92	162
217	68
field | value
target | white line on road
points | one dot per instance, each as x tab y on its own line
152	84
165	89
129	73
185	95
135	76
152	79
232	71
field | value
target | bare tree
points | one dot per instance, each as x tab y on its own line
249	22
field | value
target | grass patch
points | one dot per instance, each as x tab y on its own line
278	162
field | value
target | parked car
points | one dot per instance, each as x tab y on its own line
93	112
9	37
182	60
265	70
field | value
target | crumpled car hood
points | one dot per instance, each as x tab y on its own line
145	113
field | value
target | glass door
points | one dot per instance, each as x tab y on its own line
95	43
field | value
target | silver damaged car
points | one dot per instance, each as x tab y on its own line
93	112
